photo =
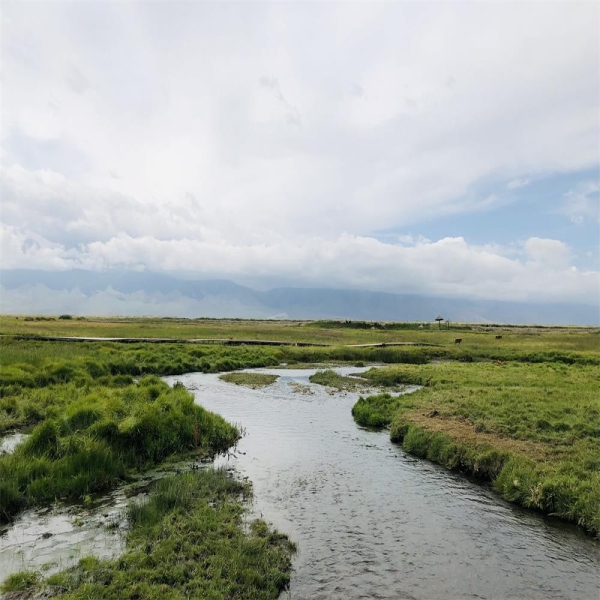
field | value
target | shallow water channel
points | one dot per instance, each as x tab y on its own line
373	522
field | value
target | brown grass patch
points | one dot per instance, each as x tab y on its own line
464	432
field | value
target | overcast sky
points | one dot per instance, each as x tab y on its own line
434	148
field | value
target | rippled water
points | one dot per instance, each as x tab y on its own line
52	538
11	441
372	522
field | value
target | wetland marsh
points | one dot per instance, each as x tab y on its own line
78	421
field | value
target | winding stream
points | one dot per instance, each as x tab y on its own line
371	521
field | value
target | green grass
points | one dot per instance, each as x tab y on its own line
332	379
252	380
521	409
91	435
477	340
531	429
20	582
187	541
376	411
97	413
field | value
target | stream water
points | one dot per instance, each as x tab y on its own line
371	521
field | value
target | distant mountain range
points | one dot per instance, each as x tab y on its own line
141	293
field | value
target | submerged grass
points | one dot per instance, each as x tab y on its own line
187	541
252	380
533	430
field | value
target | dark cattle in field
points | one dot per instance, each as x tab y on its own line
498	337
458	340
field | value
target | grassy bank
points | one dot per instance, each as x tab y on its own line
531	429
98	413
376	411
521	409
188	541
91	436
91	424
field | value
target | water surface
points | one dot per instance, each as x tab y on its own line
371	521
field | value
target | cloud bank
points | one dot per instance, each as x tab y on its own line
279	141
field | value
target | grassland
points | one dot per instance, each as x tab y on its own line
521	411
476	340
251	380
531	429
187	541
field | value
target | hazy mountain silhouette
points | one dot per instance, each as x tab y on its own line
143	293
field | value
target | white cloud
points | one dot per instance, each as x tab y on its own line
583	203
515	184
551	253
449	267
185	113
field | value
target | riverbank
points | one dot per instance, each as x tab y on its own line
371	520
91	428
532	430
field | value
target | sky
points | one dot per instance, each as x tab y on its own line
448	149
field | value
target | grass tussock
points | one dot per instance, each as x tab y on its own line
533	430
252	380
22	581
187	541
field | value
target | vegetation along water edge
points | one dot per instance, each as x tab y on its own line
520	409
533	430
96	416
188	541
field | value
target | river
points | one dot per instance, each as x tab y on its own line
371	521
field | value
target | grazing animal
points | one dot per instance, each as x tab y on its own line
498	337
458	340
